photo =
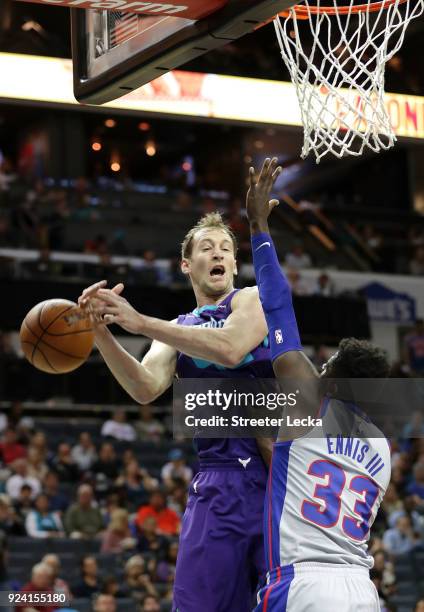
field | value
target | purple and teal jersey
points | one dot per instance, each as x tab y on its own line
256	364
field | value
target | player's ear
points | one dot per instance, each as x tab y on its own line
235	270
185	266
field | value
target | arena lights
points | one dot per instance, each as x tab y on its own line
110	123
115	166
150	148
96	146
143	126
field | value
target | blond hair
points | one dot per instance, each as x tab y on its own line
118	519
211	221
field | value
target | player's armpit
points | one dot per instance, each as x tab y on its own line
246	326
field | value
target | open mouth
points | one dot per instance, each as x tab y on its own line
217	271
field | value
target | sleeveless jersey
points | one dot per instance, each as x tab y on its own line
323	492
256	364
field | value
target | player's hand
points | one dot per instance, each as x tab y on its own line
116	309
90	301
258	204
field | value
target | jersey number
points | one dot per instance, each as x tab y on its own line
327	513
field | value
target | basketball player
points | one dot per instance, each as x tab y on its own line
323	492
221	551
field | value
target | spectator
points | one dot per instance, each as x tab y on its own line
104	603
135	482
419	606
416	265
111	587
39	441
84	519
97	246
149	540
150	604
64	465
372	238
400	539
176	468
413	348
416	487
149	272
43	267
59	585
325	286
118	428
137	581
25	503
148	427
106	468
40	523
383	565
10	522
89	583
297	284
23	424
36	464
168	521
415	427
297	258
165	571
178	496
58	502
118	536
41	582
84	454
10	448
391	500
14	483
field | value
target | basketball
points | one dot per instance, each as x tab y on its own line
56	336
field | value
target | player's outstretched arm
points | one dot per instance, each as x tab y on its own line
274	290
143	381
244	329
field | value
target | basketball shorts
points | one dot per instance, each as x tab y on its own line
315	587
221	555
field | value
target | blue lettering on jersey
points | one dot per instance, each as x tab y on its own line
357	450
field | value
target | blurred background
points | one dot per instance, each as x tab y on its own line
88	193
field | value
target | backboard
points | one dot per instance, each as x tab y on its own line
115	52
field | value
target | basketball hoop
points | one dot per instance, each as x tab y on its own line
336	55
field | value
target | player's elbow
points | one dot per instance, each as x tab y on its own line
230	356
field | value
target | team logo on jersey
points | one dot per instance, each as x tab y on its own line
278	336
245	462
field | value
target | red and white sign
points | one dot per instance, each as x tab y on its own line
189	9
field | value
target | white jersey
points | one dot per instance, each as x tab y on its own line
324	492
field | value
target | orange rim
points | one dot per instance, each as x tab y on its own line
303	12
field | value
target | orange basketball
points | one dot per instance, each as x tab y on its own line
57	336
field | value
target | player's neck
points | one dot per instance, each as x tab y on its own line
203	299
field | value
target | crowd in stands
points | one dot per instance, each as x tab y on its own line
37	215
89	490
95	488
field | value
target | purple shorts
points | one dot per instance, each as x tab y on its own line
221	554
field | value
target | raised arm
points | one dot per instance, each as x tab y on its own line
243	330
289	360
143	381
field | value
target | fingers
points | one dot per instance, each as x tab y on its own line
110	297
118	289
252	177
89	292
272	204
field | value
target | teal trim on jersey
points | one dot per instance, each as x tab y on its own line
197	311
202	363
266	342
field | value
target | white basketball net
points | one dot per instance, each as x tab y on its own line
338	72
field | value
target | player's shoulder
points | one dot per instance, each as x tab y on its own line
247	295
